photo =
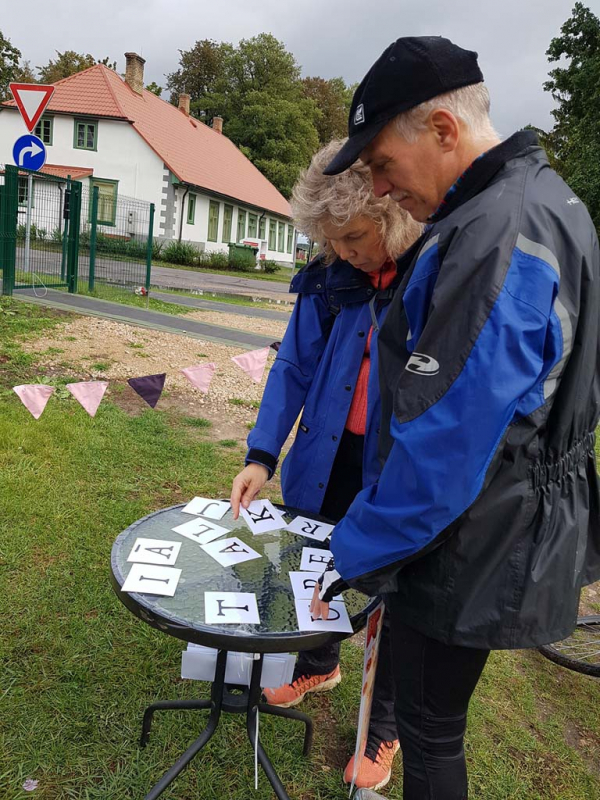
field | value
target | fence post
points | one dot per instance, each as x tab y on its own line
8	228
149	250
65	236
94	220
73	249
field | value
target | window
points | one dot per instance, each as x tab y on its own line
213	221
191	215
241	233
107	200
281	238
252	225
44	129
227	220
23	188
290	241
86	135
272	235
262	227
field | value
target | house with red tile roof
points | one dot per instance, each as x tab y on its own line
114	134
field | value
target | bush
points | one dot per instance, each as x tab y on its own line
214	260
57	236
270	266
241	260
180	253
157	248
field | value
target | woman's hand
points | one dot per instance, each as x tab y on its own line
318	609
247	485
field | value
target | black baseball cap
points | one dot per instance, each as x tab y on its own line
410	71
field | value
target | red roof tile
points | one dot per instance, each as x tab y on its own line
77	173
191	150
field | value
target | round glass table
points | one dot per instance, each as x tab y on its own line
182	616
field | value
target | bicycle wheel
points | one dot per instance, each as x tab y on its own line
580	652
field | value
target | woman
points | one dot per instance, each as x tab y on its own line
326	367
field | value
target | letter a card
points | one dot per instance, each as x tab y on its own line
154	551
230	551
227	607
148	579
310	528
261	517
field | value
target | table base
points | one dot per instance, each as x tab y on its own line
245	700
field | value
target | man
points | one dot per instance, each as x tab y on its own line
484	524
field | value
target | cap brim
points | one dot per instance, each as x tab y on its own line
353	148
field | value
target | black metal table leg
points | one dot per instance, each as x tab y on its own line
167	705
292	713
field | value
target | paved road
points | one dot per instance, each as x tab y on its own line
228	308
132	315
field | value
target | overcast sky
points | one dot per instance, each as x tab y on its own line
327	37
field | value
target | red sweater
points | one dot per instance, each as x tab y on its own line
357	416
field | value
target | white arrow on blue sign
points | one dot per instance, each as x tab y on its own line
29	152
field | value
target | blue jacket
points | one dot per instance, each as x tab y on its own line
315	372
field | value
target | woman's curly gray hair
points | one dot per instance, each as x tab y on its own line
319	199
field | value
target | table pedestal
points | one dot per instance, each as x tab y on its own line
243	700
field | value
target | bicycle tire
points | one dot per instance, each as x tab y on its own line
579	652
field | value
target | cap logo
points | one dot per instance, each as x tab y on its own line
359	115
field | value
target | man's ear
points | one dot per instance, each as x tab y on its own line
446	129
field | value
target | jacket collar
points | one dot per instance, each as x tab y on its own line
481	172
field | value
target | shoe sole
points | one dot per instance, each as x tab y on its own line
322	687
377	786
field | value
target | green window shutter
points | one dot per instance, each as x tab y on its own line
107	200
86	135
241	229
281	238
290	241
191	215
44	129
227	220
213	221
272	235
252	225
262	228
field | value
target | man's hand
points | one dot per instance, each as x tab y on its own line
318	609
247	485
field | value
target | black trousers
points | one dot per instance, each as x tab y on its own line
345	482
433	686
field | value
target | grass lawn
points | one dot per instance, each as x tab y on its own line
77	669
282	276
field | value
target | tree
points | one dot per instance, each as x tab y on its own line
575	138
24	73
9	62
330	97
202	75
154	88
69	63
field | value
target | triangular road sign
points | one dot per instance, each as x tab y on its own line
31	100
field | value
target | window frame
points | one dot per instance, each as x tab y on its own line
290	238
93	182
191	209
241	216
24	181
281	237
273	234
86	122
226	237
40	135
262	227
212	204
252	226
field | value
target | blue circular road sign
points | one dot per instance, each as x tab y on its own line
29	152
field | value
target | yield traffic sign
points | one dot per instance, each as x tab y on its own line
29	152
31	100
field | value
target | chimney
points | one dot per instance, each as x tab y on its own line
217	124
184	104
134	71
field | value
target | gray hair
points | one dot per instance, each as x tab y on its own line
319	199
470	104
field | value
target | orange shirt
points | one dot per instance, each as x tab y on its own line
357	416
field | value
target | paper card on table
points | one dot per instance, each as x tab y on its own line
261	516
154	551
310	528
201	531
230	551
303	585
205	507
338	620
314	559
226	607
148	579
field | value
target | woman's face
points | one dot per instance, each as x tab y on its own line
358	242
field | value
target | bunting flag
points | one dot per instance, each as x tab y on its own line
89	394
200	376
149	387
253	363
275	346
34	397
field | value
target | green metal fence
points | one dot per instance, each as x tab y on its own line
59	233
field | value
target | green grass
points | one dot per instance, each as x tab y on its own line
126	296
239	401
197	422
77	669
283	276
228	442
231	299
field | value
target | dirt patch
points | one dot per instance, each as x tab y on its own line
241	322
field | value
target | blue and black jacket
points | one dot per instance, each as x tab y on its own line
485	519
315	372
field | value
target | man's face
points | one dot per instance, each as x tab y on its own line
416	175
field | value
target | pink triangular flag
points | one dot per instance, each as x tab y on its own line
253	363
89	394
200	376
34	397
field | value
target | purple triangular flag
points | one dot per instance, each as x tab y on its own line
149	387
275	346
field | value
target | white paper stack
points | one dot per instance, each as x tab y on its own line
199	663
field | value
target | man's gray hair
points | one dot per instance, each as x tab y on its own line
470	104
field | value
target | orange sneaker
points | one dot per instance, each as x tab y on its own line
290	694
374	773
